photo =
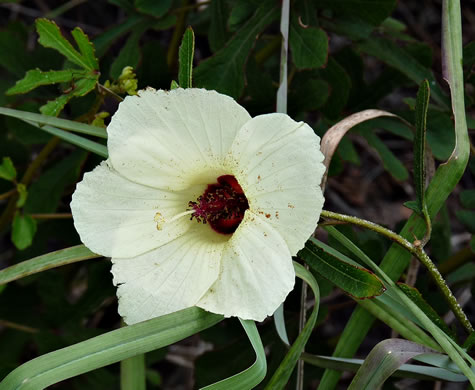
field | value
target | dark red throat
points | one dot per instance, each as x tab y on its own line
222	205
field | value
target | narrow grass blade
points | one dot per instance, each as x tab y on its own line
284	54
185	59
281	376
251	377
74	139
405	371
132	373
65	124
45	262
422	105
385	358
109	348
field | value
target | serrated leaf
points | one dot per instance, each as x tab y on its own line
309	46
85	47
422	105
50	36
23	231
419	300
153	7
79	88
35	78
7	169
22	195
185	59
225	71
358	282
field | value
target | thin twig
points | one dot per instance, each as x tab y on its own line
51	216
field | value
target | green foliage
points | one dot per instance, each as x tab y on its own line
309	46
185	59
23	231
356	281
7	169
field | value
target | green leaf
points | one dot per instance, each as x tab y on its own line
46	262
396	57
390	162
174	85
217	34
7	169
14	57
129	55
467	217
109	348
340	85
422	105
50	36
358	282
309	46
370	11
79	88
153	7
469	54
22	195
41	120
23	231
74	139
467	198
185	59
225	71
282	375
85	47
385	358
419	300
35	78
46	192
254	375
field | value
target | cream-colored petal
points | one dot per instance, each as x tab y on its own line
169	139
170	278
256	272
278	163
116	217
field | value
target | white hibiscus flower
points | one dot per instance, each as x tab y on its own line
200	204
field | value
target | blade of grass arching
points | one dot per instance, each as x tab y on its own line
45	262
74	139
281	376
132	373
185	59
385	358
251	377
441	186
64	124
405	371
108	348
455	352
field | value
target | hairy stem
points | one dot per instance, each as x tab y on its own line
416	250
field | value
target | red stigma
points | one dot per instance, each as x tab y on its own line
222	205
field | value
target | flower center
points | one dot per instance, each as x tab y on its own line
222	205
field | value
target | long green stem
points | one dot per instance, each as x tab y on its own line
416	250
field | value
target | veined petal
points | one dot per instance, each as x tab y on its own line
169	139
278	163
117	217
170	278
256	272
